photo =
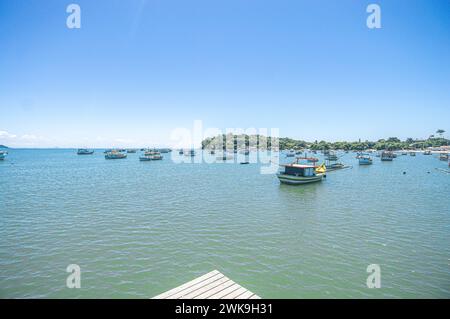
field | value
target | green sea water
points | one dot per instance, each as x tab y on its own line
137	229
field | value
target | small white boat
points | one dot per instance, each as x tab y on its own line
443	157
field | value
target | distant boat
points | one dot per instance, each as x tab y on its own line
190	153
180	151
131	150
291	153
151	155
443	157
427	153
412	154
331	157
335	166
387	156
84	151
3	155
364	159
298	174
115	154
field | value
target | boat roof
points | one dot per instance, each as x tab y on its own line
298	165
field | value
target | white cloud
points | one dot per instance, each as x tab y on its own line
24	140
6	135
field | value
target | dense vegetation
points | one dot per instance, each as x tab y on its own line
392	143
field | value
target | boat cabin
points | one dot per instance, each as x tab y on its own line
299	170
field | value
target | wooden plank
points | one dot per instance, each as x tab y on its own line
186	285
213	285
246	295
188	290
224	292
216	289
236	293
204	289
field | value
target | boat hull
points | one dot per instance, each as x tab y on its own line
365	161
298	180
108	157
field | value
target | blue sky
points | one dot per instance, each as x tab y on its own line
136	70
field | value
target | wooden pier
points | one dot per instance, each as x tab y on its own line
213	285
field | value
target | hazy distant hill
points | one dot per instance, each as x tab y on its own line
3	146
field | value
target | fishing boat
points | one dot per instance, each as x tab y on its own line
412	153
331	156
335	166
427	153
3	155
299	174
291	153
443	157
115	154
387	156
364	159
84	151
152	155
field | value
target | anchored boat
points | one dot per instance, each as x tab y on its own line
291	153
115	154
298	174
387	156
364	159
151	155
84	151
3	155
